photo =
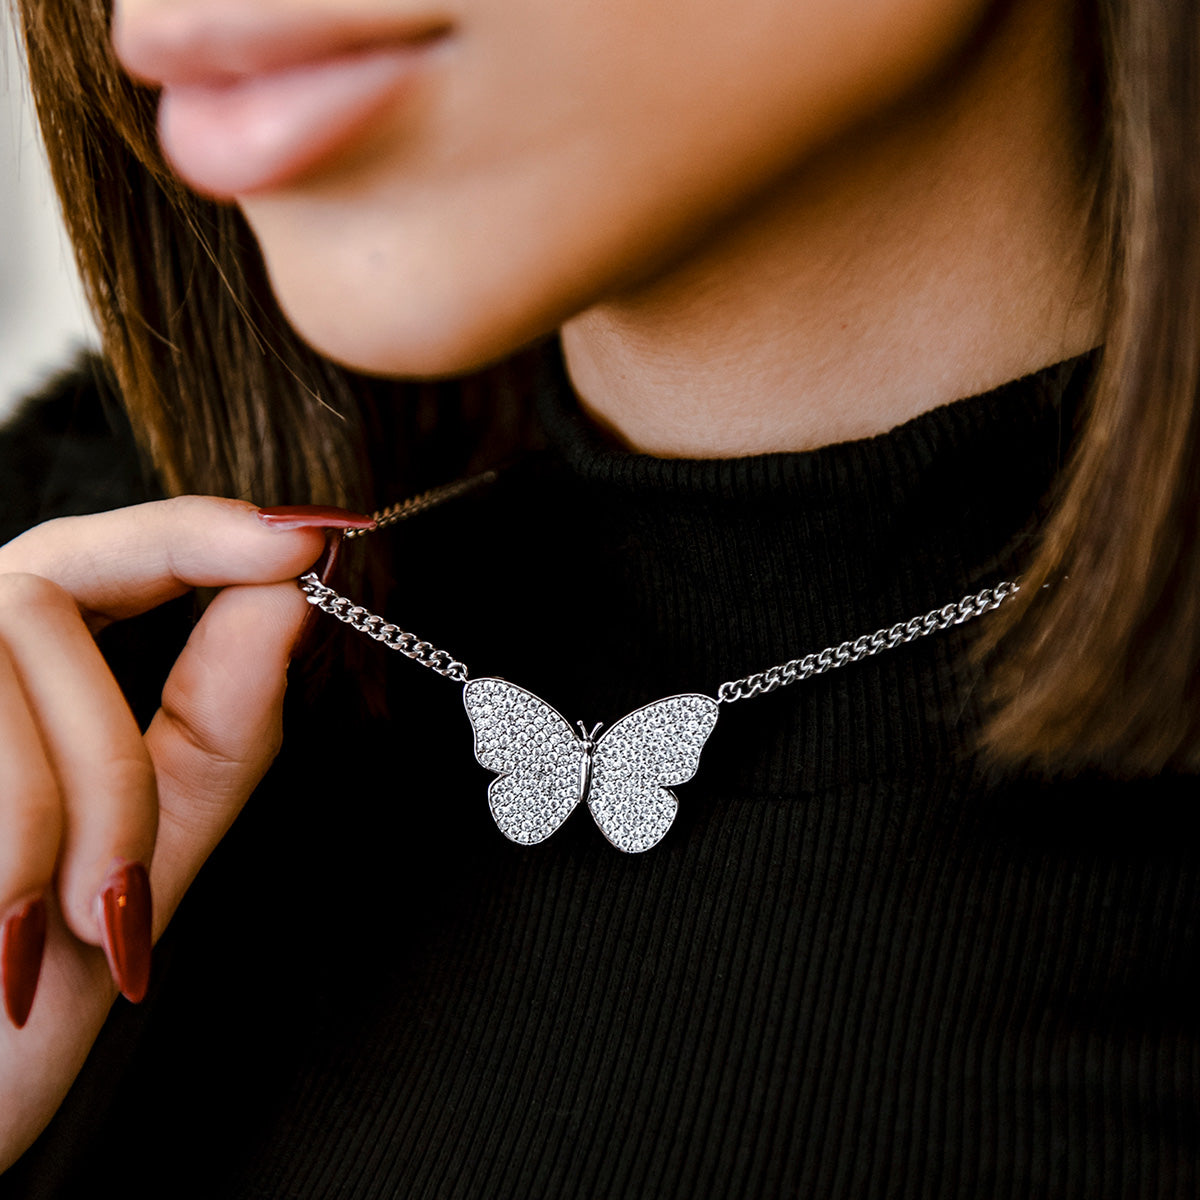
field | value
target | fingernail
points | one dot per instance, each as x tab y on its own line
125	928
322	569
22	940
324	565
313	516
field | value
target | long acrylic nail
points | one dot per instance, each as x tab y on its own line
125	928
313	516
324	565
322	569
22	940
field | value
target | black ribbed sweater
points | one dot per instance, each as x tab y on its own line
861	964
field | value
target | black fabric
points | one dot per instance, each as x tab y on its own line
860	964
68	450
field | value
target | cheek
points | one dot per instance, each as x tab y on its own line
559	153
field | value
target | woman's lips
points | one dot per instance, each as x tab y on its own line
236	136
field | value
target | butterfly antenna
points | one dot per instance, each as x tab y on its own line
589	738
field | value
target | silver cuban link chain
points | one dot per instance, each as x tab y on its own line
544	769
832	657
383	631
414	505
374	626
757	684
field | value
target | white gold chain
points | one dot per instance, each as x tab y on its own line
424	501
391	636
757	684
832	657
543	769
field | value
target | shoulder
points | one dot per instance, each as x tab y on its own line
69	449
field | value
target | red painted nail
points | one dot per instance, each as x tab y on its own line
125	928
22	940
322	568
324	565
313	516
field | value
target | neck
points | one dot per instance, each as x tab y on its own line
936	254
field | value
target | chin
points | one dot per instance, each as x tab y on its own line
405	333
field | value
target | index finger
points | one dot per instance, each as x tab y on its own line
121	563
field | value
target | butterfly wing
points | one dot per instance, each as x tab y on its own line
531	747
638	759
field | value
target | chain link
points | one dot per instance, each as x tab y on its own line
375	626
868	644
392	636
758	684
423	502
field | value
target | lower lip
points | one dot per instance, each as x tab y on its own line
266	131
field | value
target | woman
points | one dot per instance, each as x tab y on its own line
778	246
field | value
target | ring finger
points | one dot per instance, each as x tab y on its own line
103	773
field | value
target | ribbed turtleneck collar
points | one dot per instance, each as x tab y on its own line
648	576
1002	441
603	580
947	499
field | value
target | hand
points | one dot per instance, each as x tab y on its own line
96	818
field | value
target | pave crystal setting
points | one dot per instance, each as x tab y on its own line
545	769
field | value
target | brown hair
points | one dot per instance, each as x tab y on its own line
1101	667
227	399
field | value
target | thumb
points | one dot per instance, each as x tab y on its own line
219	727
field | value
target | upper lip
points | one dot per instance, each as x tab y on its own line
219	43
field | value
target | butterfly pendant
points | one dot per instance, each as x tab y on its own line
544	770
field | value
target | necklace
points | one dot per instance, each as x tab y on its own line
625	774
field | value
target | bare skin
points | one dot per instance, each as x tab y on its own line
758	230
82	787
939	253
